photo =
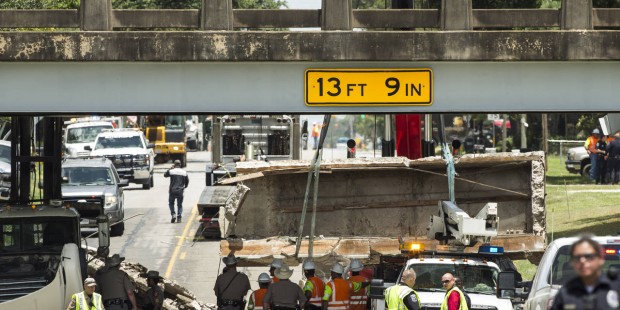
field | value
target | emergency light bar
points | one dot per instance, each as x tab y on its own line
490	249
612	251
411	247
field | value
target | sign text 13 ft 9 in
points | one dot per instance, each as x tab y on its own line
376	87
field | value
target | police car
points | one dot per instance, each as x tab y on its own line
479	273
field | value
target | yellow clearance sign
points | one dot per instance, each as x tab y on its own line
369	87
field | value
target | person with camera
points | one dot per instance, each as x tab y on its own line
591	288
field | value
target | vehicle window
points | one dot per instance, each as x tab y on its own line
88	176
476	278
24	235
85	134
562	270
174	121
5	153
118	142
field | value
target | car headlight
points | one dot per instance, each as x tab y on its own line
571	156
110	200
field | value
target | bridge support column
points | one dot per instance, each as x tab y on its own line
96	15
336	15
456	15
216	15
576	15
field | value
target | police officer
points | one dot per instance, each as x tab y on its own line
454	298
257	297
313	288
115	286
275	264
154	298
590	289
86	299
359	298
402	295
613	159
231	286
284	295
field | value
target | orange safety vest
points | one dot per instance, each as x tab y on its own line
318	288
591	143
341	294
359	298
315	131
257	298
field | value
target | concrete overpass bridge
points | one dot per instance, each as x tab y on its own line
100	60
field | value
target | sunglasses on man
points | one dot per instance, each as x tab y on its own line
588	257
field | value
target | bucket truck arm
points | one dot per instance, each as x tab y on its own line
455	227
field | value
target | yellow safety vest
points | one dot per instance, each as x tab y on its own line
394	297
80	302
462	301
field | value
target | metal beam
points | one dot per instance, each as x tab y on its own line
276	87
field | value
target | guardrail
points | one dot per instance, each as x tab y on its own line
97	15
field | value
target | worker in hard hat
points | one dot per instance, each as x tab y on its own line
337	292
314	287
402	296
275	264
359	298
257	297
284	295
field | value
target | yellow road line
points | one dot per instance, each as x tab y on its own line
177	248
182	257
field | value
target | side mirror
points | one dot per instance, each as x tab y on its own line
123	183
506	284
88	148
150	146
376	289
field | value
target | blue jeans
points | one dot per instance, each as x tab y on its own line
593	167
179	199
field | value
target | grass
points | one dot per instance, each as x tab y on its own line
575	206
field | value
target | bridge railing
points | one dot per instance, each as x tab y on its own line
97	15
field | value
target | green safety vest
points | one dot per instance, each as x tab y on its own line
394	297
462	301
80	302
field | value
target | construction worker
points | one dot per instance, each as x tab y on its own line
316	132
115	286
359	298
275	264
590	146
337	291
154	299
231	286
402	295
454	298
86	299
257	297
314	287
284	295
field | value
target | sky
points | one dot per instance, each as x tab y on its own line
304	4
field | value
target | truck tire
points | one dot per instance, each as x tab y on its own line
118	229
585	168
150	184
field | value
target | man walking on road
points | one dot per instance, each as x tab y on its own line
115	286
178	184
231	286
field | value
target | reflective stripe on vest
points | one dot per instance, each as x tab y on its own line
359	298
341	293
462	301
394	297
256	299
318	288
80	303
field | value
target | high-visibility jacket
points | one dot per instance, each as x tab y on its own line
80	301
590	144
462	301
394	297
337	294
256	299
359	297
316	131
316	287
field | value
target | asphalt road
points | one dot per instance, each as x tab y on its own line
172	249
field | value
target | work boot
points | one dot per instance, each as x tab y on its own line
172	219
178	220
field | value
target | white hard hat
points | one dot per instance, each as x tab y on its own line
356	265
276	263
338	268
596	131
308	265
264	278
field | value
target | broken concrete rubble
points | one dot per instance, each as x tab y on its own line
364	204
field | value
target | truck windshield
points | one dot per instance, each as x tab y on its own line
5	154
41	235
118	142
562	270
476	278
85	134
88	176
